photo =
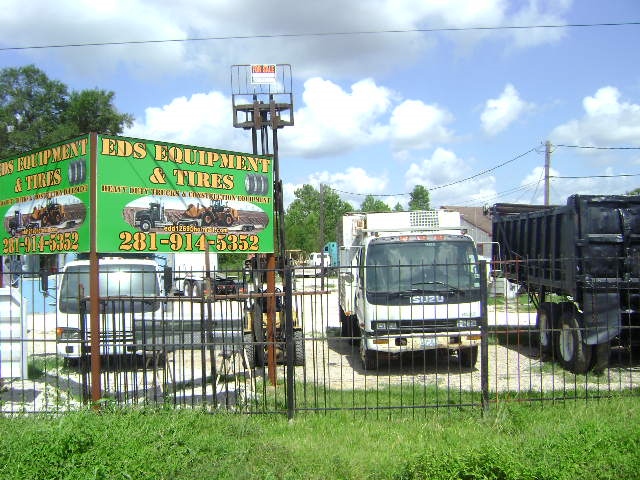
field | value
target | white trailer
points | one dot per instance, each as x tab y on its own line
409	282
13	334
189	271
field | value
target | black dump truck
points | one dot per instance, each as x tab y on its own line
580	264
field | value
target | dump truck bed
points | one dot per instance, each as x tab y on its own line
592	242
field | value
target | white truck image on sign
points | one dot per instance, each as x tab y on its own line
409	282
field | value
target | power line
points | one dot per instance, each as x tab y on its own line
321	34
598	176
591	147
483	172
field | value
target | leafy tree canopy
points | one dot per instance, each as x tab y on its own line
398	208
635	191
419	198
372	204
36	111
303	218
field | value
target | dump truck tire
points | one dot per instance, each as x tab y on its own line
573	354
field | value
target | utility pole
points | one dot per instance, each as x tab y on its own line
322	236
547	161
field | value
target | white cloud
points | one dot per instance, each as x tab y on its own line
231	25
352	184
333	121
561	188
203	119
444	168
415	124
608	121
501	112
539	12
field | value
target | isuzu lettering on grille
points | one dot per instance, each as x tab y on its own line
427	299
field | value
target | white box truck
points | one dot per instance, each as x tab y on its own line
409	282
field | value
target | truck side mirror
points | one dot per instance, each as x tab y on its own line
167	278
347	277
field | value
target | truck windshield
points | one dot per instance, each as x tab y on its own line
429	266
115	281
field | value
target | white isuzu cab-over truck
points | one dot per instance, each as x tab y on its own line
409	282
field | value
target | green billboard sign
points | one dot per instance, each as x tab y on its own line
149	196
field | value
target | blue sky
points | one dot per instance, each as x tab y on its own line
436	102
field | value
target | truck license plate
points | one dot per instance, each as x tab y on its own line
427	342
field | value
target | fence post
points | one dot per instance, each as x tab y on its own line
484	340
290	341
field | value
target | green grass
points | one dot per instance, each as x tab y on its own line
38	366
595	440
521	303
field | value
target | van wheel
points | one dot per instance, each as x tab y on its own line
468	357
573	353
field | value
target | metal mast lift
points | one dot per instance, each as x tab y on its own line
262	98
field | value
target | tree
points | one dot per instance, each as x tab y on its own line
372	204
36	111
302	218
398	208
635	191
419	198
93	111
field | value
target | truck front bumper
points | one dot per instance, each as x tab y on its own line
397	344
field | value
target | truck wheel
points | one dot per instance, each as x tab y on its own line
546	321
298	341
369	358
467	357
207	219
250	184
348	328
345	324
573	353
258	331
228	220
145	225
600	357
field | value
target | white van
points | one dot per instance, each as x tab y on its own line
131	309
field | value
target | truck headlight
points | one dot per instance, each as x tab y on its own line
65	333
465	323
386	325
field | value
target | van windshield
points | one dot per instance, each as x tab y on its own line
427	266
115	281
